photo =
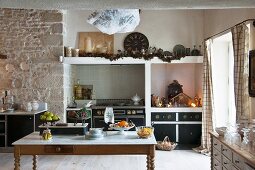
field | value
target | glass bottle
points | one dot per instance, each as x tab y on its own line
9	101
227	136
73	104
78	90
245	145
235	136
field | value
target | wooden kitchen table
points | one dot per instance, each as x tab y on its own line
111	144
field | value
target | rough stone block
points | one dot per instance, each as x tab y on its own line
57	28
52	40
51	17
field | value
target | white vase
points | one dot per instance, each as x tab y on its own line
35	105
29	107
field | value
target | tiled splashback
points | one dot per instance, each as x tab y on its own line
113	81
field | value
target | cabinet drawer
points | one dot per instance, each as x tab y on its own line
2	117
194	116
216	144
248	167
58	149
237	161
235	168
216	154
216	164
226	163
226	152
163	116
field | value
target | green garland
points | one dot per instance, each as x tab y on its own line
164	56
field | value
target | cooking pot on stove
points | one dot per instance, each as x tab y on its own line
174	89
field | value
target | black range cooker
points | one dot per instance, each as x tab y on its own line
122	111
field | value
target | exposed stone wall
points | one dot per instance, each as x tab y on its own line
32	40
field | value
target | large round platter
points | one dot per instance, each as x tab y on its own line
120	129
179	51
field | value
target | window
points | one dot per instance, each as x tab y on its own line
223	81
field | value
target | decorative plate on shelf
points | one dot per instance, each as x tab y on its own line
136	41
179	51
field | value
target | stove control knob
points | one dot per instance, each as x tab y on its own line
185	116
99	112
157	116
169	117
133	112
197	117
129	112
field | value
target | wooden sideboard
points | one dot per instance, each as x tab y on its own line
229	157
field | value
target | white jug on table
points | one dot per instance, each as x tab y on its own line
35	105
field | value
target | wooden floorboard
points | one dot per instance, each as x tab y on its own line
165	160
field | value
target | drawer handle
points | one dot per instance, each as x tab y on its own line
224	149
215	144
215	154
58	149
225	163
236	161
216	165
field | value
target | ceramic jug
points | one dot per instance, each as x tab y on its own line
35	105
29	107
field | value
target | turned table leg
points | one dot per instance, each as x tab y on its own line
16	158
35	162
152	162
148	162
151	159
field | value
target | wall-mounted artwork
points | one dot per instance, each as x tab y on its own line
96	42
252	73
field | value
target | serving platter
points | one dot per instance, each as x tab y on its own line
121	129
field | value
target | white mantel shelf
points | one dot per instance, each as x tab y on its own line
176	109
127	60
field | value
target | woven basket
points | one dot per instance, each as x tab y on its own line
165	145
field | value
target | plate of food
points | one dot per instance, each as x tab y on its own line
122	126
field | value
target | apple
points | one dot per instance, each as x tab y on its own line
55	117
42	117
50	114
48	118
46	113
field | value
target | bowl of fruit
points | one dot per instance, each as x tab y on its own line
122	126
49	117
144	131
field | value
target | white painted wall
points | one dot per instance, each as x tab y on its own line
186	74
218	20
113	81
163	28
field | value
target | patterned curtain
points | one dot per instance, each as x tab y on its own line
240	36
207	116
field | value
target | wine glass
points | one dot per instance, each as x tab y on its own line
227	135
235	136
245	145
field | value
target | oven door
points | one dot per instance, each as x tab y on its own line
161	130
